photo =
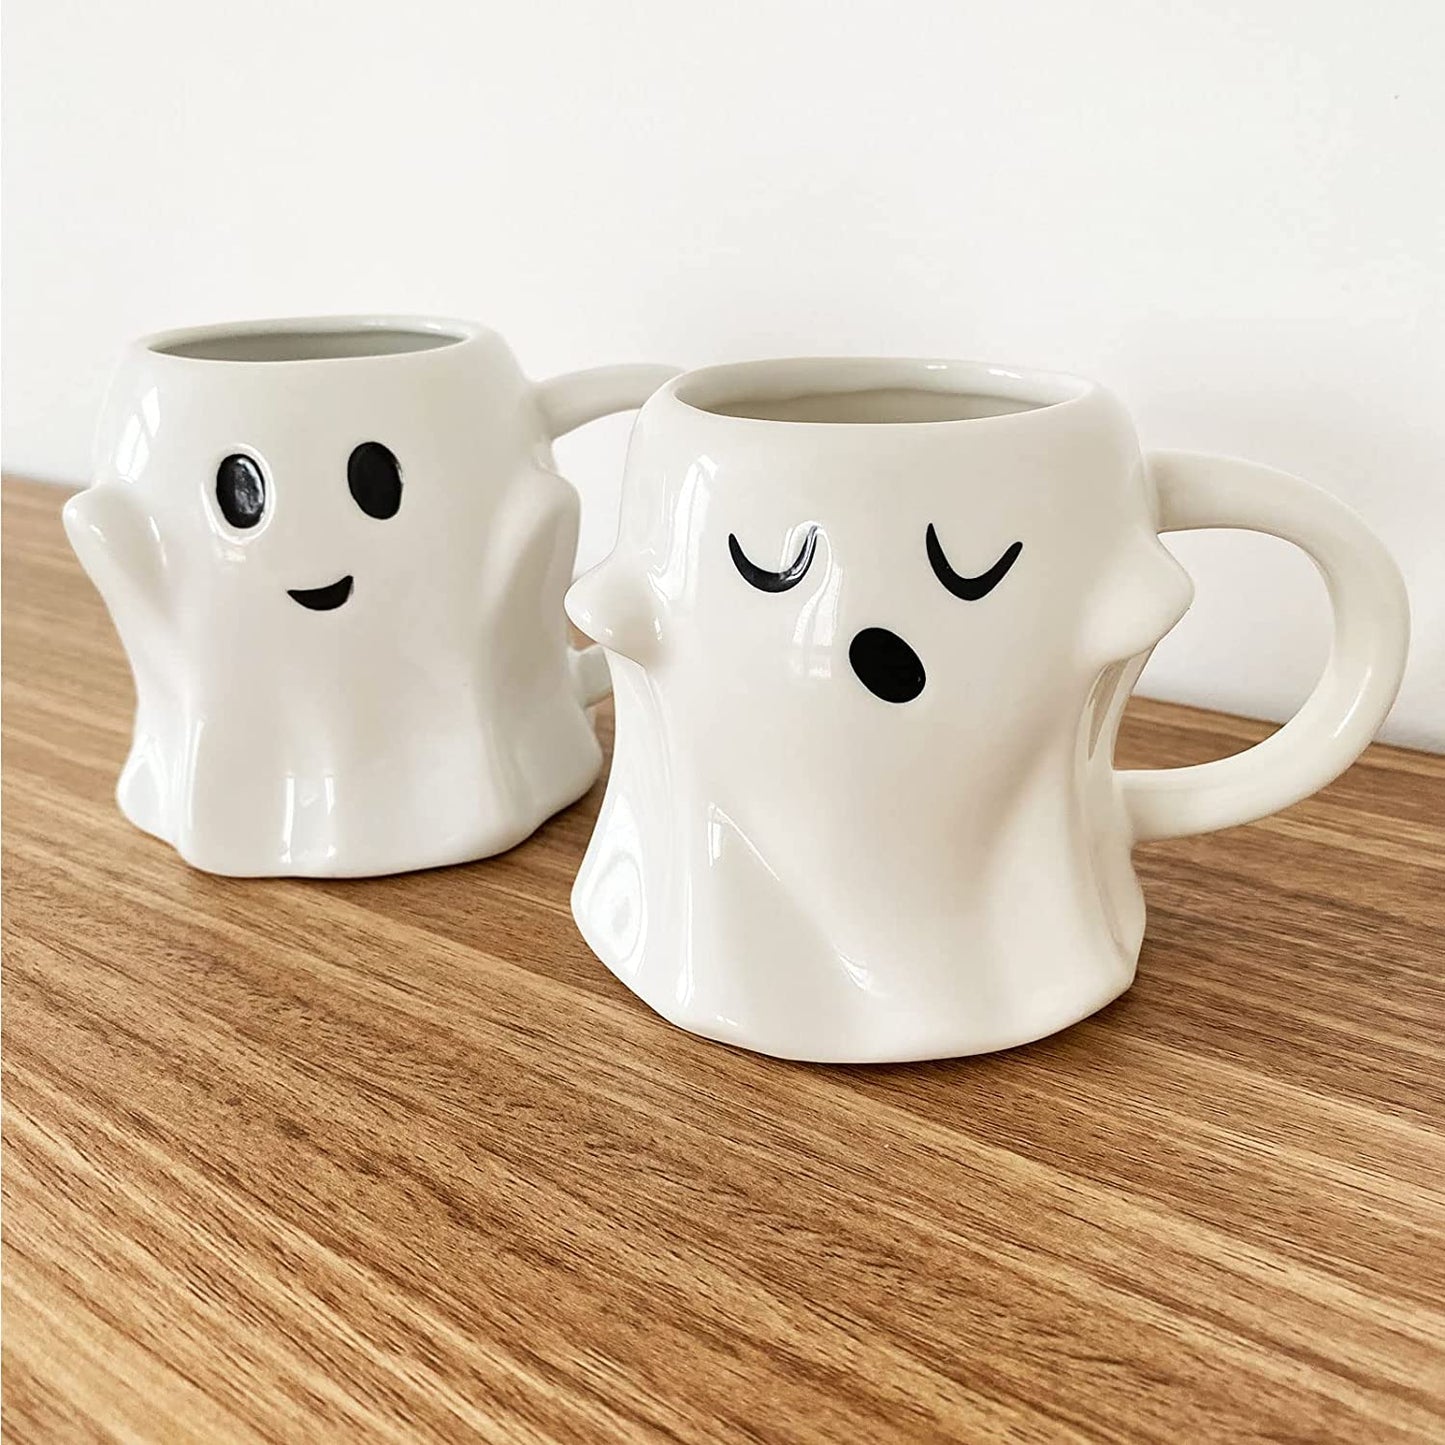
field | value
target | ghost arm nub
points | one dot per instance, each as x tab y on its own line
116	542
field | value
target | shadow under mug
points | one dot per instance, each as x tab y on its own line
335	550
872	625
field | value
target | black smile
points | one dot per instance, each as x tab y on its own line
322	599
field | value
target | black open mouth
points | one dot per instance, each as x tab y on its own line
886	665
322	599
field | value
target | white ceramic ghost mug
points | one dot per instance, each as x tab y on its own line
872	625
335	550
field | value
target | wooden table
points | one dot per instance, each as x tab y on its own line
397	1160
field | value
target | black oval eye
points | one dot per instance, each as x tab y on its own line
766	581
375	480
969	588
240	490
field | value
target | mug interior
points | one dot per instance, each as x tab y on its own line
281	343
868	392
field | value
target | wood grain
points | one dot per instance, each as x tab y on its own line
397	1160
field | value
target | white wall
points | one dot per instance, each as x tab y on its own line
1230	211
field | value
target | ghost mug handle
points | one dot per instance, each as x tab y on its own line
570	401
1359	683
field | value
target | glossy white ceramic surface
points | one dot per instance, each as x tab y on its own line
872	625
369	671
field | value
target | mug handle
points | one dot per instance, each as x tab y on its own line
566	403
1360	680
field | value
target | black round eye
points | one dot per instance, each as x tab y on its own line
241	490
375	480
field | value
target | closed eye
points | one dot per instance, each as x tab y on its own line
969	588
766	581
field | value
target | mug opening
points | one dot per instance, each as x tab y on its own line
871	392
270	342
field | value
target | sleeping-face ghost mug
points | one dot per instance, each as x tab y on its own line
871	626
335	551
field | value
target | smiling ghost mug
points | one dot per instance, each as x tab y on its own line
872	625
335	551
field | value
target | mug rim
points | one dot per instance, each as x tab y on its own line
169	346
786	377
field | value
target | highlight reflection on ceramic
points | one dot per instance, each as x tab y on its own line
336	551
871	627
